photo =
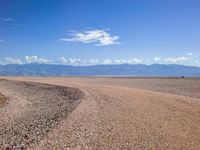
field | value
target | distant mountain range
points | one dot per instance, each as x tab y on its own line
100	70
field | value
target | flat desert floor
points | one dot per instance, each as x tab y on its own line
50	113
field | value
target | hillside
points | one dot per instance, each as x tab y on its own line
99	70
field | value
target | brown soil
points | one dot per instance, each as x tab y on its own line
3	100
33	111
123	113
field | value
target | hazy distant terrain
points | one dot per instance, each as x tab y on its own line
99	70
100	113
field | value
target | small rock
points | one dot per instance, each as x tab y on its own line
7	147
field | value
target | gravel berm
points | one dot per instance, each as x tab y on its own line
33	110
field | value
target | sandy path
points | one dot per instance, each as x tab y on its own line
114	117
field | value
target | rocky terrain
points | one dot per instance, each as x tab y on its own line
33	110
3	100
100	113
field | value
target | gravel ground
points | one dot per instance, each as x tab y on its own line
3	100
119	115
33	111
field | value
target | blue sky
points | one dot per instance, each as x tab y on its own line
88	32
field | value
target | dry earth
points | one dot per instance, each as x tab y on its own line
32	111
3	100
114	113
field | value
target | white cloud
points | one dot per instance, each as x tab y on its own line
189	54
156	59
92	61
78	61
18	25
63	60
8	19
180	59
177	59
10	60
120	61
135	60
107	61
26	60
36	59
197	61
72	61
99	37
128	61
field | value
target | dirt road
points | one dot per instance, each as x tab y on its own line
115	115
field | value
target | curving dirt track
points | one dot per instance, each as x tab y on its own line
115	114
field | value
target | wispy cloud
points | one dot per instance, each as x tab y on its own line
8	19
177	59
187	57
36	59
99	37
172	59
70	61
107	61
15	23
128	61
189	54
40	60
78	61
10	60
26	60
156	59
19	25
94	61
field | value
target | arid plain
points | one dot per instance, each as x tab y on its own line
50	113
